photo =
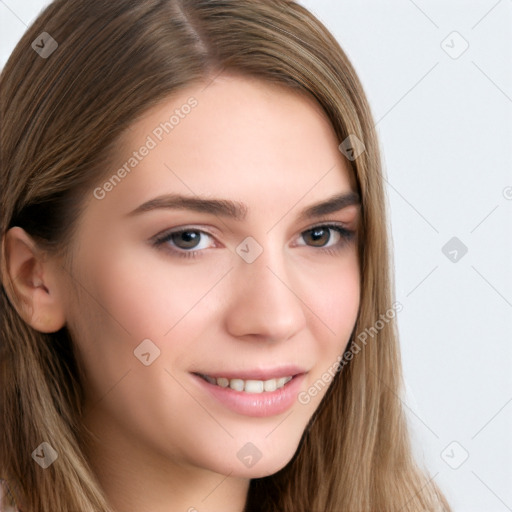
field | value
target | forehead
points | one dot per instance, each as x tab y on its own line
237	137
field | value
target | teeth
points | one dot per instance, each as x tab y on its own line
211	380
222	382
236	384
249	386
281	382
254	386
270	385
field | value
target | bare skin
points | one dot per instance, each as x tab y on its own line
163	443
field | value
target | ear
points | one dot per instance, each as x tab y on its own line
33	281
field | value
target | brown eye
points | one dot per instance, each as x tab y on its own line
318	236
186	239
328	238
189	242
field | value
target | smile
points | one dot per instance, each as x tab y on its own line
248	386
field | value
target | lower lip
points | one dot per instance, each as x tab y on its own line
268	403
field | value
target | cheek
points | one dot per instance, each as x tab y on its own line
333	295
335	303
338	303
130	298
149	296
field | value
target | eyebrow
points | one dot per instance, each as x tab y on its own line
237	210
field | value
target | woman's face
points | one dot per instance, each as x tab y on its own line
249	290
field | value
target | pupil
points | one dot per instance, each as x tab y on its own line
186	239
317	234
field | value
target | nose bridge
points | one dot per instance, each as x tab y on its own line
268	271
264	301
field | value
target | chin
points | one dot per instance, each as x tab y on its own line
270	468
261	467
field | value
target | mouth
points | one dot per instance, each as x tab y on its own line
258	392
248	385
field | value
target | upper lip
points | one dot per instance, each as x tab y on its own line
256	373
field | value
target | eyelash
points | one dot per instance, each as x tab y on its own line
345	234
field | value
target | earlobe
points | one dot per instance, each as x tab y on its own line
32	282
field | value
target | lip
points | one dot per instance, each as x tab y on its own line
268	403
257	373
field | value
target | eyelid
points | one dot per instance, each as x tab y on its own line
192	227
327	222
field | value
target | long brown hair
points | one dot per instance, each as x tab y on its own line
61	118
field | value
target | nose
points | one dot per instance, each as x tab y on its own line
265	303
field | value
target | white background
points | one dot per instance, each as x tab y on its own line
445	127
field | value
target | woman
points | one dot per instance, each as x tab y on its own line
194	245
